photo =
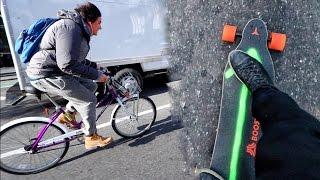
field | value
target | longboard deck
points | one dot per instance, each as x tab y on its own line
237	132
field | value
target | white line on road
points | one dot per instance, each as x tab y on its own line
141	113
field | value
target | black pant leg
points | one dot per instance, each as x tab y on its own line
290	144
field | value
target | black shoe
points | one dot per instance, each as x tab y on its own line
249	71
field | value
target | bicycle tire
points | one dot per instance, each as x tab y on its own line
123	76
24	135
142	129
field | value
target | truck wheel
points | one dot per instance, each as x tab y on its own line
128	81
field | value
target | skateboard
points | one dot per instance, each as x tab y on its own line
238	132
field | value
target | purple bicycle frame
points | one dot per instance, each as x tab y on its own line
52	118
105	101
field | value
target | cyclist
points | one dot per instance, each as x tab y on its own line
60	67
290	145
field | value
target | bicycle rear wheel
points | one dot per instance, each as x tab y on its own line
135	118
15	143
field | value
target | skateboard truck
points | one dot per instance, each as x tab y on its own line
276	41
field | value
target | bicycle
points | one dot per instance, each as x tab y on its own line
34	144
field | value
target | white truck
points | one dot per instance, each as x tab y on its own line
132	38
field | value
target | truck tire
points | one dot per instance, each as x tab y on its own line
123	76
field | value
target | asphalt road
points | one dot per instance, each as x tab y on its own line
157	155
198	56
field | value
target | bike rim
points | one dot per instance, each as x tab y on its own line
141	118
23	135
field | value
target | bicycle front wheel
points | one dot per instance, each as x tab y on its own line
16	140
134	118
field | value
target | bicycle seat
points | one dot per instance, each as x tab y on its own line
32	90
27	89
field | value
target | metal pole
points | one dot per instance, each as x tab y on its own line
9	33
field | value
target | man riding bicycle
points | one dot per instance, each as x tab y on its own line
60	67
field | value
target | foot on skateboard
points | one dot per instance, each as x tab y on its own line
249	71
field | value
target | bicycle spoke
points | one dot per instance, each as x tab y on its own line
16	139
30	164
22	132
29	136
132	126
12	162
141	117
12	140
142	104
45	160
32	159
20	160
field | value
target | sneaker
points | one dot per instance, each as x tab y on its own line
69	119
96	140
249	71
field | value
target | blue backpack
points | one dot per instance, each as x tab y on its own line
27	44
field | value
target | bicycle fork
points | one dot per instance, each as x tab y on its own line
126	109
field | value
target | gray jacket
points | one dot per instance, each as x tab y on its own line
63	50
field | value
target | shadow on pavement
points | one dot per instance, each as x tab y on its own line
159	128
